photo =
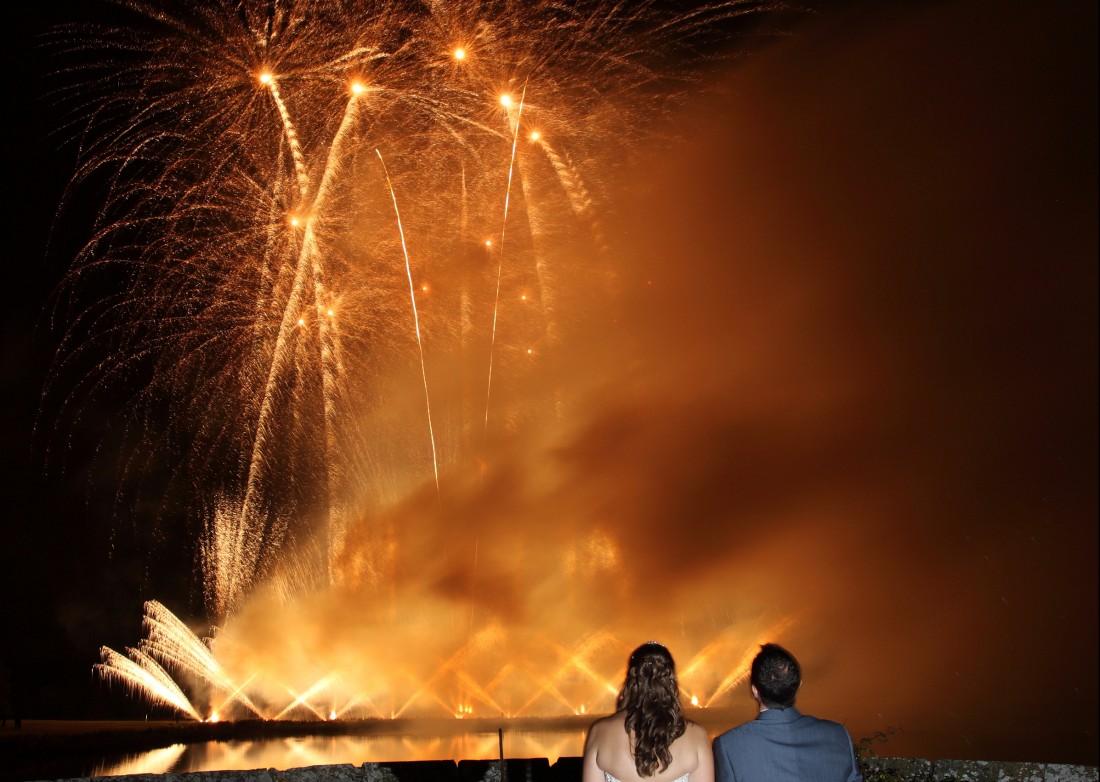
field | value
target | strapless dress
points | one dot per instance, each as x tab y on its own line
610	778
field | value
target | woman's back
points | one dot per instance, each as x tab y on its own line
609	756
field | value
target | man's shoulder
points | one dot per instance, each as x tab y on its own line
737	733
822	724
753	728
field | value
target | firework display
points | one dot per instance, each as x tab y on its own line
347	244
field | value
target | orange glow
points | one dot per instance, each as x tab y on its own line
535	135
265	78
506	100
358	87
459	53
301	321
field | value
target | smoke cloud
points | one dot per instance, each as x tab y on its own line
844	400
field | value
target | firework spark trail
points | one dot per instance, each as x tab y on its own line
142	673
308	267
416	320
500	258
291	134
273	219
248	528
230	552
174	644
331	359
580	200
535	229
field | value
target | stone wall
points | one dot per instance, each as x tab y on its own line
569	770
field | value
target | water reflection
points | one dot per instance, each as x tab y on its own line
284	753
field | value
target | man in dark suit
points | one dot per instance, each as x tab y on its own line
782	744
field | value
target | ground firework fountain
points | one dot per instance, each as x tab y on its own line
356	239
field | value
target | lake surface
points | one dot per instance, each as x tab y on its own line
284	753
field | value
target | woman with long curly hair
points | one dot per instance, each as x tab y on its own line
647	738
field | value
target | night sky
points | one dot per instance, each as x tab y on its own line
853	383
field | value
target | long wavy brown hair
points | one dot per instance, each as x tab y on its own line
651	699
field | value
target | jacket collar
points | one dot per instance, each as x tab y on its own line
777	716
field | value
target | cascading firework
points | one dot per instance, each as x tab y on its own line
248	243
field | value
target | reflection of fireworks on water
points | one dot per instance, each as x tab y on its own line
274	304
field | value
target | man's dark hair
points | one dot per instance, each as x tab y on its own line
776	676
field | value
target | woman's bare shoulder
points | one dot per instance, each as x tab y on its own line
696	733
604	724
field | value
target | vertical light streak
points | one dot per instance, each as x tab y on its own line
331	359
308	268
291	135
249	526
500	257
542	273
416	319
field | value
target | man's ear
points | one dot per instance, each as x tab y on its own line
755	693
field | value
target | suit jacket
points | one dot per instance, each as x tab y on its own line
785	746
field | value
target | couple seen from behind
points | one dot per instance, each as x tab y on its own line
648	738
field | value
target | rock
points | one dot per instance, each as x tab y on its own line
342	773
1058	773
900	769
985	771
375	772
249	775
